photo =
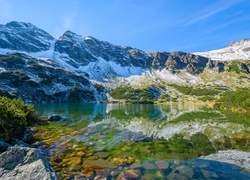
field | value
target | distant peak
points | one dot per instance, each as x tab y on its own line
69	34
17	24
240	42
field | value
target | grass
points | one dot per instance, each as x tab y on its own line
187	90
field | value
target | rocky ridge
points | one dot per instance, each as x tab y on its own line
74	68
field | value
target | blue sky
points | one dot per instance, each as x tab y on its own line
150	25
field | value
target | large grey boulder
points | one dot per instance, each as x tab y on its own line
20	162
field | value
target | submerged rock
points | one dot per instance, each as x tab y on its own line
162	165
25	163
129	174
186	170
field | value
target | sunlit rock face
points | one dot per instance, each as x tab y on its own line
25	163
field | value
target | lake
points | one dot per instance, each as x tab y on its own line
142	141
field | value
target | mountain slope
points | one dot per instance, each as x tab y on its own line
239	50
44	81
37	67
24	37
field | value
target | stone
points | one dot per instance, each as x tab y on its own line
20	162
80	154
15	141
55	159
103	155
76	160
55	118
162	165
209	174
135	166
149	165
37	144
139	137
88	172
175	176
27	134
129	174
98	164
74	167
184	169
3	145
239	158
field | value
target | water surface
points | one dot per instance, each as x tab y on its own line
141	140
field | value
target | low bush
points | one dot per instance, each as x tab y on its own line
15	115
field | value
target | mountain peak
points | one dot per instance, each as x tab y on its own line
16	24
244	42
239	50
26	37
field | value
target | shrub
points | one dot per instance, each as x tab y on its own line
15	116
235	99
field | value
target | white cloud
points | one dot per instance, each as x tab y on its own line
68	21
211	10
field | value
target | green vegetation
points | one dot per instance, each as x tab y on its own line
195	91
15	116
206	98
239	99
234	67
7	94
99	87
175	148
128	93
16	78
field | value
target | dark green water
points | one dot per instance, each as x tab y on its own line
110	140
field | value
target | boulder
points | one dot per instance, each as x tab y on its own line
162	165
3	145
20	162
129	174
186	170
57	118
27	134
15	141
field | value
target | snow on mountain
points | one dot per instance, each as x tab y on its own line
94	62
26	37
239	50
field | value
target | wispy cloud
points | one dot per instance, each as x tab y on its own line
68	21
5	9
210	11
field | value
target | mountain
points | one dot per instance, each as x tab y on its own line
40	68
24	37
239	50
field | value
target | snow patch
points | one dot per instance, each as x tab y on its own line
239	50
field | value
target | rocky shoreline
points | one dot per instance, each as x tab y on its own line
236	157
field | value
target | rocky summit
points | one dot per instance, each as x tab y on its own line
40	68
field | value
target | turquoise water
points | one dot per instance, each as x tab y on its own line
136	136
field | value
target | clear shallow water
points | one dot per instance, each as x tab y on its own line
110	140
